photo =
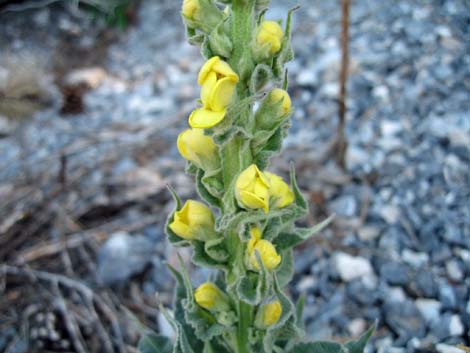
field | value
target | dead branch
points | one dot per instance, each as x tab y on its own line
341	141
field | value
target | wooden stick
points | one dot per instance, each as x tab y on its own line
341	142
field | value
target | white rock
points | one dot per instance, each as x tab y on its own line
429	309
415	259
367	233
390	213
445	348
306	283
456	327
90	77
7	127
454	271
397	294
351	267
390	127
357	327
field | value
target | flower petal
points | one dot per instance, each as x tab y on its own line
221	95
204	118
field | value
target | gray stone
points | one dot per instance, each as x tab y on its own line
404	319
448	325
344	206
423	284
447	296
395	273
122	256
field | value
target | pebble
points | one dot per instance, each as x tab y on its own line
395	273
445	348
369	233
447	296
404	319
415	259
429	309
356	327
344	206
454	270
122	256
448	325
390	213
350	267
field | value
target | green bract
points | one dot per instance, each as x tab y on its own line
245	308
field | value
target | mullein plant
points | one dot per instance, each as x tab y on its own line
244	226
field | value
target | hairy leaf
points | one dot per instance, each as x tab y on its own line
153	343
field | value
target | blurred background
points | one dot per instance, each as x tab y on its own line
92	97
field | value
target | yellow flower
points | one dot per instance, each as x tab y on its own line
276	95
252	189
270	33
210	297
198	148
190	8
268	315
280	194
268	254
194	221
220	67
218	82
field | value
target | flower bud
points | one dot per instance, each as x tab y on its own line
203	15
210	297
275	107
198	148
268	40
267	252
218	82
280	194
278	94
268	314
252	189
194	221
191	9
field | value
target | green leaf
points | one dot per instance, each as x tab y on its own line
254	287
185	337
219	41
288	240
216	249
260	77
172	237
285	271
273	227
299	199
206	188
359	345
153	343
203	324
202	259
318	347
299	312
206	50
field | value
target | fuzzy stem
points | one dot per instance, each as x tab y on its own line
245	319
236	155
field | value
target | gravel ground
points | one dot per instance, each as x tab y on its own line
399	250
